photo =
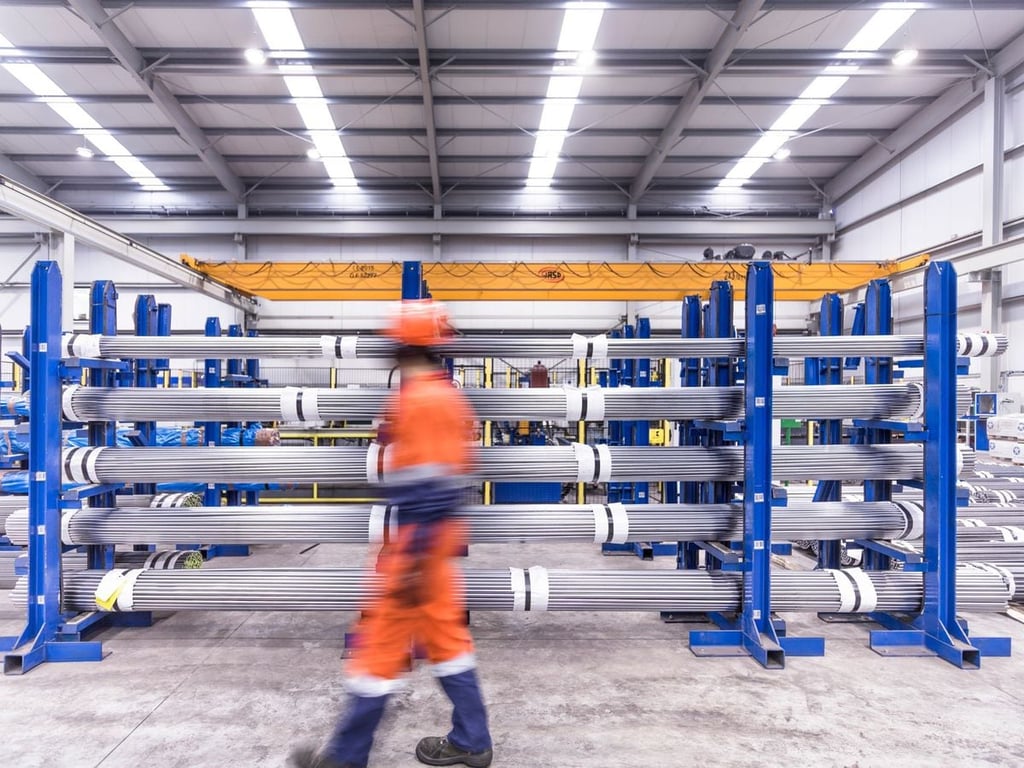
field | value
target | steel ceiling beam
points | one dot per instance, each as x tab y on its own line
503	133
419	19
924	123
671	227
509	61
106	28
745	14
41	213
553	5
9	167
492	100
385	183
455	159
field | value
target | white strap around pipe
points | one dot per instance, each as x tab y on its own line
518	584
866	587
539	588
847	595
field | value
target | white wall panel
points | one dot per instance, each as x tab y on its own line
1013	187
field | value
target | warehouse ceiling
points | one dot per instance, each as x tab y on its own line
624	108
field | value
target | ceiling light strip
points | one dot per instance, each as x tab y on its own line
40	84
869	38
281	34
576	51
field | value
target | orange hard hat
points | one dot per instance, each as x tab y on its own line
419	323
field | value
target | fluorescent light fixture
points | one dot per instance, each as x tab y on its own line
564	87
557	115
327	143
106	144
75	116
36	81
256	56
580	24
549	143
579	27
872	36
33	78
880	27
277	24
315	114
798	113
823	87
905	57
542	171
586	58
303	87
769	143
746	167
278	27
340	171
135	168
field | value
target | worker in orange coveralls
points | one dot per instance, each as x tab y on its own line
420	597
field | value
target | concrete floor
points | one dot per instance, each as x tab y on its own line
207	690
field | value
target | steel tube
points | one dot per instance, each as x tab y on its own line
351	523
355	465
310	404
342	347
316	589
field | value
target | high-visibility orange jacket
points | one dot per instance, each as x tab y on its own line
427	464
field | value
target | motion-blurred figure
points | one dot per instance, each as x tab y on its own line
420	598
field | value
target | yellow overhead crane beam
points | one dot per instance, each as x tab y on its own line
521	281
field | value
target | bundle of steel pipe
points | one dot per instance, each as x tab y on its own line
613	523
982	533
866	401
987	469
575	463
76	561
991	514
8	577
576	347
515	589
982	494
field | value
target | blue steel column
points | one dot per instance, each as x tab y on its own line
940	457
38	640
252	370
211	429
163	328
755	632
937	630
828	370
689	553
102	320
234	498
759	637
146	314
412	280
877	370
721	372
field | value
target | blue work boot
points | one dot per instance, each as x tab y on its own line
437	750
469	741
